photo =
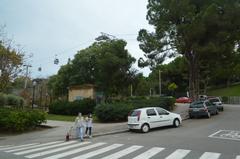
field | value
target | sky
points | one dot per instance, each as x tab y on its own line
48	29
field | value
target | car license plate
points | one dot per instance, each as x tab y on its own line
195	110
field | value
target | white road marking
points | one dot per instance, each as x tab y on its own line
99	151
178	154
215	133
44	148
123	152
61	155
13	147
210	155
55	150
150	153
238	157
5	146
30	147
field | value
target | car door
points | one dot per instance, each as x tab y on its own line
164	117
152	117
211	107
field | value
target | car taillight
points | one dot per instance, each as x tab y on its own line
138	115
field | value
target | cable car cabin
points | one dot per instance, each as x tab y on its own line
56	61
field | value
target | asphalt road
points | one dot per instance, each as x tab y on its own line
217	137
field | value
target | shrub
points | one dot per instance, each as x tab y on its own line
2	99
119	111
84	106
164	102
113	112
14	101
20	120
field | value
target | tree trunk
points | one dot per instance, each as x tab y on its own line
193	75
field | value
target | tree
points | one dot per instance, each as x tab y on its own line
172	87
11	61
195	29
105	64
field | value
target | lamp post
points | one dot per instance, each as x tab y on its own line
33	95
159	76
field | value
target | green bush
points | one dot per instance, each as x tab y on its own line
164	102
119	111
3	99
20	120
113	112
84	106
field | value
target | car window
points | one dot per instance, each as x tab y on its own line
198	104
214	100
151	112
135	113
161	111
208	104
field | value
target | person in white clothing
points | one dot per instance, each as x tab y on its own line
89	126
79	122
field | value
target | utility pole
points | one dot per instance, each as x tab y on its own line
26	75
159	76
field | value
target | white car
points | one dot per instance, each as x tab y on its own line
145	119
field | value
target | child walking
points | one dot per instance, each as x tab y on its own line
88	131
79	122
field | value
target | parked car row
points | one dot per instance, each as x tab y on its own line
145	119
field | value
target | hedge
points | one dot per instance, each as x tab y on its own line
113	112
11	100
20	120
84	106
118	111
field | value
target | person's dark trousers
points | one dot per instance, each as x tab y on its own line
88	129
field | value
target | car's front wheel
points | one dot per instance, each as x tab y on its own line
145	128
176	123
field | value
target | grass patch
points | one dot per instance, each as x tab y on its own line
229	91
60	117
66	117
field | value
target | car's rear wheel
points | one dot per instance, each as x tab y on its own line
145	128
176	123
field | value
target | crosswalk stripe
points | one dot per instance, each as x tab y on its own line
35	146
178	154
55	150
123	152
238	157
61	155
211	155
5	146
149	153
13	147
99	151
43	148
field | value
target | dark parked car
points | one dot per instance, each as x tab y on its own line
202	108
216	101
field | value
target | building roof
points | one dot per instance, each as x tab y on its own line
84	86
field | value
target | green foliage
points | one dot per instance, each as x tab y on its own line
106	64
84	106
20	120
119	111
11	60
227	91
206	33
2	99
113	112
14	101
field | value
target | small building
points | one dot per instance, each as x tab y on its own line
81	91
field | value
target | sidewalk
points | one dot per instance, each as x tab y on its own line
59	129
109	128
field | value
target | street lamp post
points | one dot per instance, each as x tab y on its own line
159	76
33	95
